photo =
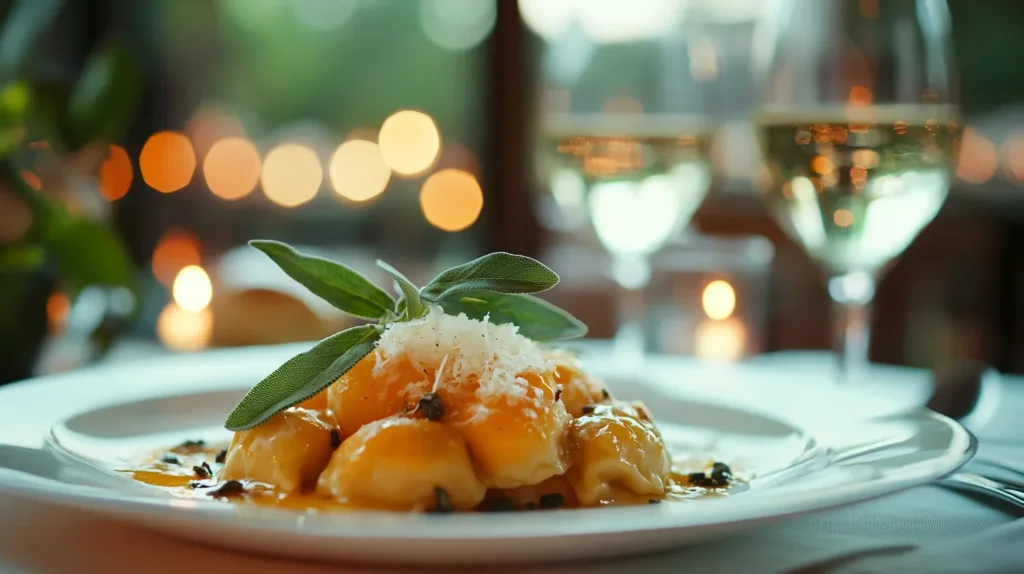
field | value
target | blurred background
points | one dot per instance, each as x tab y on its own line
143	143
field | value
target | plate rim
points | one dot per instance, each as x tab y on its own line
409	526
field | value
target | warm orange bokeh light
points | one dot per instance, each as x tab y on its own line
843	217
183	330
57	308
978	157
860	96
32	179
115	174
291	175
409	142
358	171
822	165
167	161
232	168
451	199
176	250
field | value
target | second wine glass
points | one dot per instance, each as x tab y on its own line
859	138
622	153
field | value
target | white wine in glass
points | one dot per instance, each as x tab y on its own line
638	180
859	136
855	186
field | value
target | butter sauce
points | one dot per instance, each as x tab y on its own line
181	481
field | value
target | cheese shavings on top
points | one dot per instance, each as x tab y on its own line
494	355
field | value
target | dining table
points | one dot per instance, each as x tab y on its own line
927	529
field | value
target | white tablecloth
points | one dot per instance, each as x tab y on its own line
927	529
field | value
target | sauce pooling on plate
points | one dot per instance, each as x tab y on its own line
446	414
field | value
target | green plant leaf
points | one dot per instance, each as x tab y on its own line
332	282
303	376
410	304
22	28
104	100
498	272
536	318
88	253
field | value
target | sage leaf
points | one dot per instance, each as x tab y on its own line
303	376
497	272
413	307
537	319
332	282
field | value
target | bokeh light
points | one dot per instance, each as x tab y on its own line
232	168
32	179
978	157
183	330
1014	151
843	217
176	250
210	124
860	96
116	174
192	289
357	170
457	24
409	142
58	305
451	199
167	161
602	20
291	175
718	300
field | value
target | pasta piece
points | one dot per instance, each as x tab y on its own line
620	456
288	451
517	438
368	393
317	402
397	463
579	389
555	492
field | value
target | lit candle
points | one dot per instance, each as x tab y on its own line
720	336
186	323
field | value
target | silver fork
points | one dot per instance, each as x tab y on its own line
1002	490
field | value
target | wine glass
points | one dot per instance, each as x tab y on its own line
859	137
621	145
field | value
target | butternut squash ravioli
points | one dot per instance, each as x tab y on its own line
446	414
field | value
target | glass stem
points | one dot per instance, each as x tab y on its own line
852	294
633	275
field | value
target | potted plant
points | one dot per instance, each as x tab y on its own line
53	138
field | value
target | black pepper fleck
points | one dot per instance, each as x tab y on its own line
227	489
168	459
588	409
191	446
654	501
335	438
558	395
221	456
203	470
499	504
605	395
431	406
442	503
552	500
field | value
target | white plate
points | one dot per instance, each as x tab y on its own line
809	447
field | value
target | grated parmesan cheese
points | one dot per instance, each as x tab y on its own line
464	348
